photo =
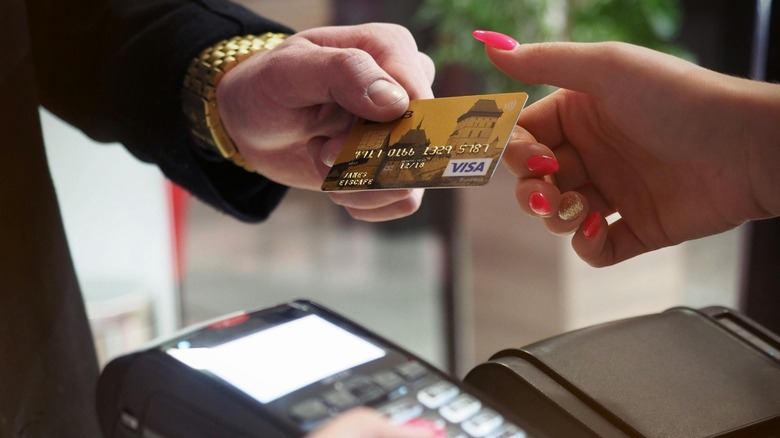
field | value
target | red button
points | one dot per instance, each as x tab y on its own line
424	423
230	322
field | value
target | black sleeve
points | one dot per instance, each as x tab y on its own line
114	69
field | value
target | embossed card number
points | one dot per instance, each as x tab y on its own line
445	142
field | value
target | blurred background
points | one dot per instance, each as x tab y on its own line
466	276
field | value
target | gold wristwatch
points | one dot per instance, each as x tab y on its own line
199	91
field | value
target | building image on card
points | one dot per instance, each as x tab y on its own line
424	149
430	160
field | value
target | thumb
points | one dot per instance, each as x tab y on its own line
359	85
349	77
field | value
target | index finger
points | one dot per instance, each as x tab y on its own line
593	68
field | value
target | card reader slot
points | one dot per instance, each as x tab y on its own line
747	330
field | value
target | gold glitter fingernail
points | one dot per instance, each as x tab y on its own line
571	206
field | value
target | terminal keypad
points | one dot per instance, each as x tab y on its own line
410	393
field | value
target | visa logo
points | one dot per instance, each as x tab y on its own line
468	167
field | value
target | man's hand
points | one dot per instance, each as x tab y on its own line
289	109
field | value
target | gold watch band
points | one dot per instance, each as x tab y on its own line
199	91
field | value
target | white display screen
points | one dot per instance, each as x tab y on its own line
273	362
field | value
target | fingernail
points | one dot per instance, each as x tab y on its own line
496	40
591	225
571	206
383	93
542	164
328	158
538	204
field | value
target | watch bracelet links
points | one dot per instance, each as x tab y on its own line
199	91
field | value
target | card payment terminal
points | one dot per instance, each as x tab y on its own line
281	372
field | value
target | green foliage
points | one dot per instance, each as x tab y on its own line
649	23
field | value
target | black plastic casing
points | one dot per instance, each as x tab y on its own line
680	373
151	394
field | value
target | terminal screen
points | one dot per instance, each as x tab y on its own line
271	363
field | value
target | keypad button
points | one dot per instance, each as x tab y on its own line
482	423
463	407
309	410
401	411
437	426
340	400
438	394
365	390
433	417
454	431
388	380
412	371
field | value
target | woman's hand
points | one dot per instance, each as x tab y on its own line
677	151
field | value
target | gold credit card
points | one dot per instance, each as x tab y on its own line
445	142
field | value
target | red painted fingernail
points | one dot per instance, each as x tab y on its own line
542	164
496	40
539	204
591	225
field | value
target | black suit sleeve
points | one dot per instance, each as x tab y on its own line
114	69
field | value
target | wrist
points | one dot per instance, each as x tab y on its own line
759	120
199	99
